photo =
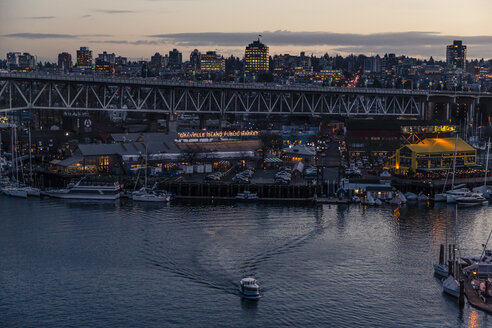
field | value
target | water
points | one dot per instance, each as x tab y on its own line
117	264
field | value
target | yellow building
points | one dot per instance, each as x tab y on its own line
211	62
256	58
434	154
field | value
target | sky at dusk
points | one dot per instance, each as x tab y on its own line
139	28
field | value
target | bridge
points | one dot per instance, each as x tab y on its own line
25	91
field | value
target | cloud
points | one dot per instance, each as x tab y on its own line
137	43
86	16
40	17
40	36
114	11
288	38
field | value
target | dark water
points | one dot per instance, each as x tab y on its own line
71	264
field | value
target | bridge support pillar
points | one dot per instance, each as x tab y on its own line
172	124
203	122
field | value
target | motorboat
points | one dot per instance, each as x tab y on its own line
249	288
246	196
14	191
32	191
441	270
471	199
485	190
378	202
395	200
451	286
146	195
87	191
410	196
452	194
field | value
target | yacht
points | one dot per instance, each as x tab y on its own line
80	190
249	288
471	199
147	195
451	195
246	196
14	191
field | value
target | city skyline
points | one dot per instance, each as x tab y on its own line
138	29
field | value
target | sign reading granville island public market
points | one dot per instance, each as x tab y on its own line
218	134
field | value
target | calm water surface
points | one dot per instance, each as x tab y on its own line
70	264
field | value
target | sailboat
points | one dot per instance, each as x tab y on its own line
455	192
13	189
450	285
146	194
485	190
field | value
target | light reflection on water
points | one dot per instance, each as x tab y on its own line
124	264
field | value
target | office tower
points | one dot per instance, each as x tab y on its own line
211	62
175	58
195	58
84	59
456	55
64	62
256	59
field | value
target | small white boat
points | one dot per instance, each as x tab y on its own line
452	194
249	288
378	202
441	270
451	287
395	200
471	199
355	199
411	196
246	196
145	195
14	192
32	191
423	197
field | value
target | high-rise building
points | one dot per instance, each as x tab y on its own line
64	62
123	61
110	58
175	58
456	55
13	59
103	66
211	62
27	62
157	62
84	60
195	58
256	59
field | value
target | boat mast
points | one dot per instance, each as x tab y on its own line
485	246
30	157
486	165
454	161
146	164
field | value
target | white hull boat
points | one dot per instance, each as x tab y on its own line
15	192
247	196
441	270
87	192
440	197
471	199
411	197
144	195
451	287
249	289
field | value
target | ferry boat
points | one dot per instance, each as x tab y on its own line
247	196
88	191
249	288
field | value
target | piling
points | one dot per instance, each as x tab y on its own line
450	268
441	254
462	293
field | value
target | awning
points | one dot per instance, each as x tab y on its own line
273	159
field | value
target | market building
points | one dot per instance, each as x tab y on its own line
434	154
